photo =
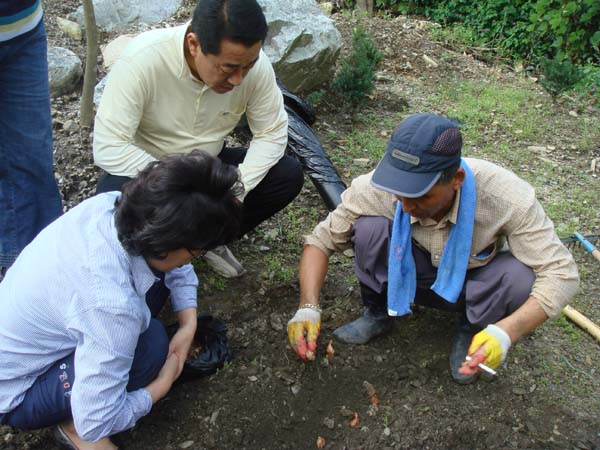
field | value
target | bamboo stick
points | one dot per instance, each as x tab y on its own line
582	321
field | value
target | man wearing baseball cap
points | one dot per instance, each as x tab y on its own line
431	228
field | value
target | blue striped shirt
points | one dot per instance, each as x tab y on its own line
75	288
17	17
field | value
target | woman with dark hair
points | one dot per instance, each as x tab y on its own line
80	347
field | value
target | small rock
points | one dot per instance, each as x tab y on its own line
519	391
345	412
276	322
573	114
186	444
72	29
264	248
370	388
361	162
430	61
536	148
253	378
329	423
386	431
327	8
271	234
70	125
295	389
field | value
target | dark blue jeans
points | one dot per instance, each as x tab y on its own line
29	196
48	401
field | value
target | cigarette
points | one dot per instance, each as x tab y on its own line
482	366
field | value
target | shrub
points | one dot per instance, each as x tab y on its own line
354	80
559	75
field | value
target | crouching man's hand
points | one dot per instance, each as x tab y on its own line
490	347
303	330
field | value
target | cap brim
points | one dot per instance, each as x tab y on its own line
400	182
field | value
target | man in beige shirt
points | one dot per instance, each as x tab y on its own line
465	236
178	89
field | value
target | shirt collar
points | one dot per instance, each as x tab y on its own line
143	278
451	216
184	70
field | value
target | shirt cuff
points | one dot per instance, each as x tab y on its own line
183	297
311	239
141	402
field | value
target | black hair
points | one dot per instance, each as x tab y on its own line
448	173
184	201
240	21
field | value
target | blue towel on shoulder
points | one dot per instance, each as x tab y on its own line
402	274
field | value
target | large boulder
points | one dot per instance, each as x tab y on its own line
303	44
120	15
64	71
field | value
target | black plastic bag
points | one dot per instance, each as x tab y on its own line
307	148
304	145
211	336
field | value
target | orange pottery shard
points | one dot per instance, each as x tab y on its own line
355	420
374	399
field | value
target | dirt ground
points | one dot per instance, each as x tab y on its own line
547	396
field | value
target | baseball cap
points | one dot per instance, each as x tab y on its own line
420	149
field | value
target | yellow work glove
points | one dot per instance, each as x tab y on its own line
303	330
494	343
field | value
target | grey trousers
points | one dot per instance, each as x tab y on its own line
489	293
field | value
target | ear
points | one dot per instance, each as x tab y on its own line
459	178
193	44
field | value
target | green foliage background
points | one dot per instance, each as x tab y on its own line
522	29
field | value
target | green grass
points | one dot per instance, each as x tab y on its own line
501	121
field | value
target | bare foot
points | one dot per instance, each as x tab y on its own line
103	444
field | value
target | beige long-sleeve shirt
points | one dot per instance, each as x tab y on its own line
506	210
153	106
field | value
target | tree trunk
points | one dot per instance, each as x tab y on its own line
365	5
86	110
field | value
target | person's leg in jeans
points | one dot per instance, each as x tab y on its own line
48	401
29	196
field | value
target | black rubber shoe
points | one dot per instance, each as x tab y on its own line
460	346
365	328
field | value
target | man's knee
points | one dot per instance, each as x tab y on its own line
371	236
369	231
291	170
498	289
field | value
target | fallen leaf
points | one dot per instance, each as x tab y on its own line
330	351
320	442
355	421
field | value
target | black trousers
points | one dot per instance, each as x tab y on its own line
277	189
